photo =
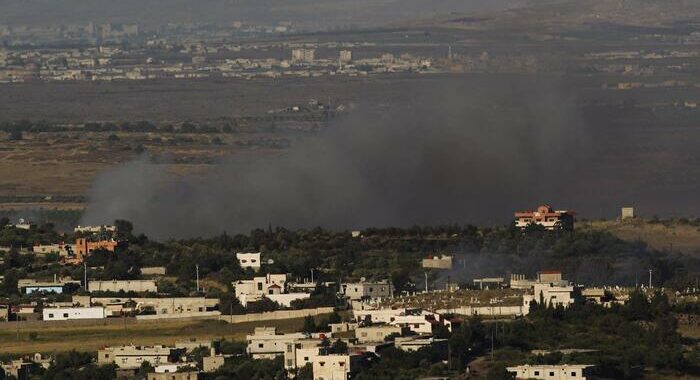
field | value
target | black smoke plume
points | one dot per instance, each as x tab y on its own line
463	152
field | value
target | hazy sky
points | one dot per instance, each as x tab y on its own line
308	12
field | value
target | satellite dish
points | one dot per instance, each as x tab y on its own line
270	261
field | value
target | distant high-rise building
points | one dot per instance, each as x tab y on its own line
303	55
387	58
345	56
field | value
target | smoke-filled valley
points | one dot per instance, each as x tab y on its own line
459	150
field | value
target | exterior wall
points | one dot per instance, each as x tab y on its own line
153	271
551	372
95	229
52	248
333	367
172	305
487	310
44	289
138	286
299	354
83	247
442	262
276	315
68	313
173	376
416	323
375	333
131	357
249	260
360	290
28	285
287	298
627	213
184	315
551	277
212	363
252	290
342	327
415	343
554	295
378	316
265	343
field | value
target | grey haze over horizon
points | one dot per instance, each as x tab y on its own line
309	13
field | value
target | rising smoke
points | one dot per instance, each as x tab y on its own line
463	152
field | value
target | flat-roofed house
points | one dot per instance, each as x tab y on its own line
552	372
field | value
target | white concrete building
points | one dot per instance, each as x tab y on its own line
131	357
166	307
95	229
72	313
335	367
301	352
376	333
422	324
265	343
303	55
415	343
272	286
368	290
552	372
551	295
249	260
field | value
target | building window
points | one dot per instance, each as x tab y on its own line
537	373
306	358
551	374
65	315
260	345
289	362
50	315
259	285
573	374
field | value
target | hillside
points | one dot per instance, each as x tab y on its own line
583	14
676	235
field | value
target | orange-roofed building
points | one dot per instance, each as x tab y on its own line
83	247
546	217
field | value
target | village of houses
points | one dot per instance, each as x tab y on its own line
375	317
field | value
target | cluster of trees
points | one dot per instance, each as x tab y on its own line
586	256
21	126
624	339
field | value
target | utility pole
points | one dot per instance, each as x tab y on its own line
426	281
85	275
312	275
650	271
197	266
